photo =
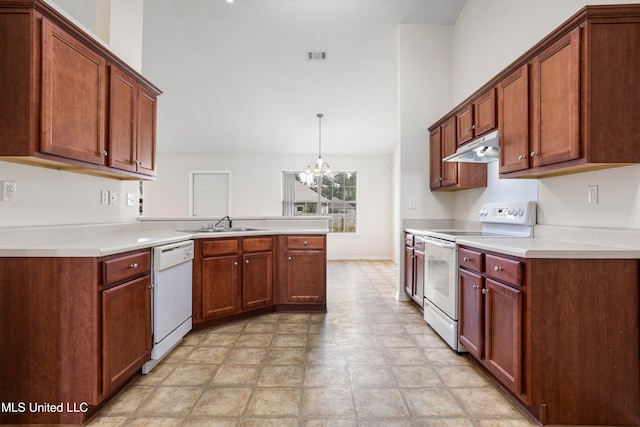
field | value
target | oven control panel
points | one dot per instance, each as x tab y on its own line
519	213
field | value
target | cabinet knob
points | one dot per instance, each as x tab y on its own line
476	286
306	243
466	259
134	265
522	157
289	258
104	153
496	268
150	286
485	291
473	127
534	154
468	130
235	262
246	261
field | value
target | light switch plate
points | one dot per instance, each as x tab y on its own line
131	199
104	197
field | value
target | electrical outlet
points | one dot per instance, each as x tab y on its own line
9	191
104	197
131	199
592	194
113	197
412	203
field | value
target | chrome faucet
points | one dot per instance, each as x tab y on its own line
226	217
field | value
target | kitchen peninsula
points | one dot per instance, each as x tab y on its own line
58	296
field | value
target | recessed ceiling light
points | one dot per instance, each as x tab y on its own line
229	1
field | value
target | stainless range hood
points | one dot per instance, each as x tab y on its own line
482	150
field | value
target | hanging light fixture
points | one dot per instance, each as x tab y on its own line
319	168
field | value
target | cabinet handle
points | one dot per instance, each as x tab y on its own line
522	157
534	153
485	291
134	265
104	153
498	268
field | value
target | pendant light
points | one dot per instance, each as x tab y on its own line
319	168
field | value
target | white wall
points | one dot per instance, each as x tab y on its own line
256	190
488	36
47	196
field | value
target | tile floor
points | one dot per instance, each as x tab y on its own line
370	361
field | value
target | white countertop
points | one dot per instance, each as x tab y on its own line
547	248
127	241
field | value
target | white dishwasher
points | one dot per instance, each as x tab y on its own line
171	300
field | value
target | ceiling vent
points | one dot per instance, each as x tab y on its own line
317	55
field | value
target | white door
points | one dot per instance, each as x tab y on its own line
209	194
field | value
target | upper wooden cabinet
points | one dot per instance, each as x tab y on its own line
569	104
69	103
450	175
477	117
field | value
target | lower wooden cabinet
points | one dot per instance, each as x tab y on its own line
126	331
560	334
302	271
414	268
232	275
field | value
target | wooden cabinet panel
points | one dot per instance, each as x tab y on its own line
449	169
215	247
471	260
504	269
146	131
126	331
305	242
513	120
257	244
503	333
484	113
126	267
73	97
122	129
470	332
464	125
257	280
556	102
418	281
409	270
220	286
306	277
435	159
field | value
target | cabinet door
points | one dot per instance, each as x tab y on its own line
306	277
73	97
470	321
418	283
556	102
257	280
435	159
220	286
513	120
503	333
126	330
449	170
408	270
464	124
484	113
122	123
146	131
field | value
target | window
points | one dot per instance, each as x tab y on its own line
336	198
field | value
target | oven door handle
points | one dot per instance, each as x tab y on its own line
438	242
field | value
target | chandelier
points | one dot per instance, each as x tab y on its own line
319	168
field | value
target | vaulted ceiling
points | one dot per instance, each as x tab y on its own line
236	77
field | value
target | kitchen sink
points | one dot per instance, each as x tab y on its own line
221	230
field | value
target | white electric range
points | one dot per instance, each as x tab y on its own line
509	219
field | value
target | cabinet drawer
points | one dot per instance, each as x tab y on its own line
418	243
215	247
504	269
470	259
408	239
257	244
126	267
305	242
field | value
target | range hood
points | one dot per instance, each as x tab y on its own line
482	150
